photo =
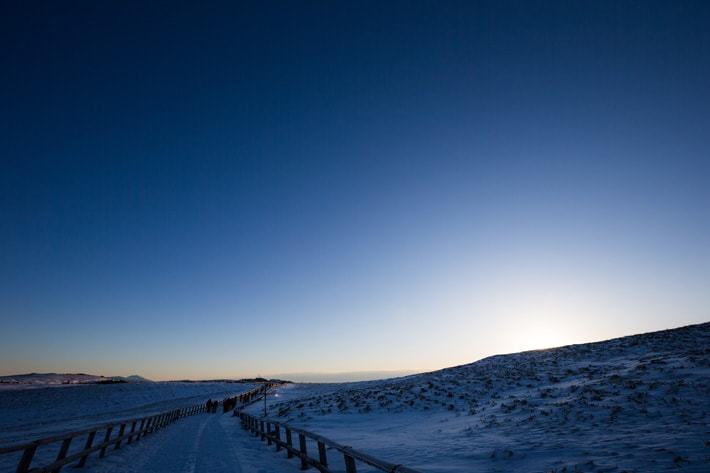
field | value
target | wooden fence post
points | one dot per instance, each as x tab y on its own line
304	452
121	430
148	422
289	442
268	433
26	459
133	429
322	456
62	452
107	437
278	437
87	445
349	464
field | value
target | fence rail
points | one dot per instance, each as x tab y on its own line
114	434
270	430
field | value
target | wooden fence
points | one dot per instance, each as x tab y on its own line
110	436
271	431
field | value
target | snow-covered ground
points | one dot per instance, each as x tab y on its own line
38	412
639	403
634	404
207	443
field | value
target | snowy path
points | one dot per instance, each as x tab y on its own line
213	443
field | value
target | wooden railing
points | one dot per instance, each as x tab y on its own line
244	399
270	430
111	435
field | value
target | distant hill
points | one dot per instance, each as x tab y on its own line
62	379
134	378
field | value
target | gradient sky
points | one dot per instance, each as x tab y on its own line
229	190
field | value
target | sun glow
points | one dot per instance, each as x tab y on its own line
539	319
541	335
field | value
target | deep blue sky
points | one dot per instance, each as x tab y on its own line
226	190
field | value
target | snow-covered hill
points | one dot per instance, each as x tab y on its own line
639	403
63	379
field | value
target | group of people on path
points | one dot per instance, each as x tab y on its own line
227	405
231	402
212	406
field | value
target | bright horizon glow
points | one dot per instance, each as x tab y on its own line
249	189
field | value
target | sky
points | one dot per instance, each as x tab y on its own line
221	189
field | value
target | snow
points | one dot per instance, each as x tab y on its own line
38	412
211	443
634	404
40	380
637	403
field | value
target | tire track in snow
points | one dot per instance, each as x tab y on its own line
204	443
191	460
193	445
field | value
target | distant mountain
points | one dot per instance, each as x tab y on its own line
134	378
61	379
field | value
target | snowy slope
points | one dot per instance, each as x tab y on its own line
639	403
38	412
